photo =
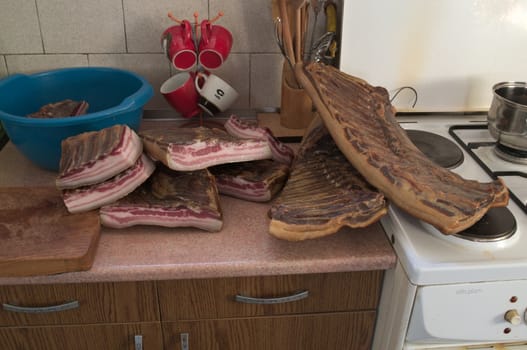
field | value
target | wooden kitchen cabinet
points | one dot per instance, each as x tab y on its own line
97	303
79	316
344	330
83	337
292	312
313	311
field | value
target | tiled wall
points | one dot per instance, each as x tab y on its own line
38	35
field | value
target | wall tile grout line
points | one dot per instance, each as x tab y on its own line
40	28
68	38
5	65
124	28
83	53
250	79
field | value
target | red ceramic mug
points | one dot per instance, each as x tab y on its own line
180	92
215	45
178	44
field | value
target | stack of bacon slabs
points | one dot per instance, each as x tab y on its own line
254	181
100	167
247	161
113	170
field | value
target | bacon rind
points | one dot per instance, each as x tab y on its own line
324	192
362	122
97	156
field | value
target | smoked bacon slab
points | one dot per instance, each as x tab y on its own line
188	149
361	120
323	193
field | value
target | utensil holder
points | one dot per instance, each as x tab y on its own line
296	107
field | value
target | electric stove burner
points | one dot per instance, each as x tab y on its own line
510	154
496	225
437	148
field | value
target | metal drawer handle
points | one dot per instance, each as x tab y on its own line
41	309
289	298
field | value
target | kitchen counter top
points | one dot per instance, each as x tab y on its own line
242	248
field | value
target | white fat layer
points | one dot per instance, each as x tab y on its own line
236	127
227	154
249	192
121	219
95	198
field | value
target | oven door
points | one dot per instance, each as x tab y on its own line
469	313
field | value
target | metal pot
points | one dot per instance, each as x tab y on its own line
507	115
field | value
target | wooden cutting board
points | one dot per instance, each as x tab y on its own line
38	236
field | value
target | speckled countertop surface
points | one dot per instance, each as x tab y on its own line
242	248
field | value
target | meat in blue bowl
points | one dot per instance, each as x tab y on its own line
113	96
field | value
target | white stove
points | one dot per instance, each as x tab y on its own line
448	291
431	257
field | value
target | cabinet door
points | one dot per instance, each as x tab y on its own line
335	331
85	337
231	297
26	305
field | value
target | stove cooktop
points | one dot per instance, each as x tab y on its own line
478	142
430	257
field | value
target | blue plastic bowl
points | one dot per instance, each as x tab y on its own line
114	96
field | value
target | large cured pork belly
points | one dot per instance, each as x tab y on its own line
95	196
171	199
188	149
324	192
361	120
96	156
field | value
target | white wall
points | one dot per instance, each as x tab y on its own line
38	35
450	51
